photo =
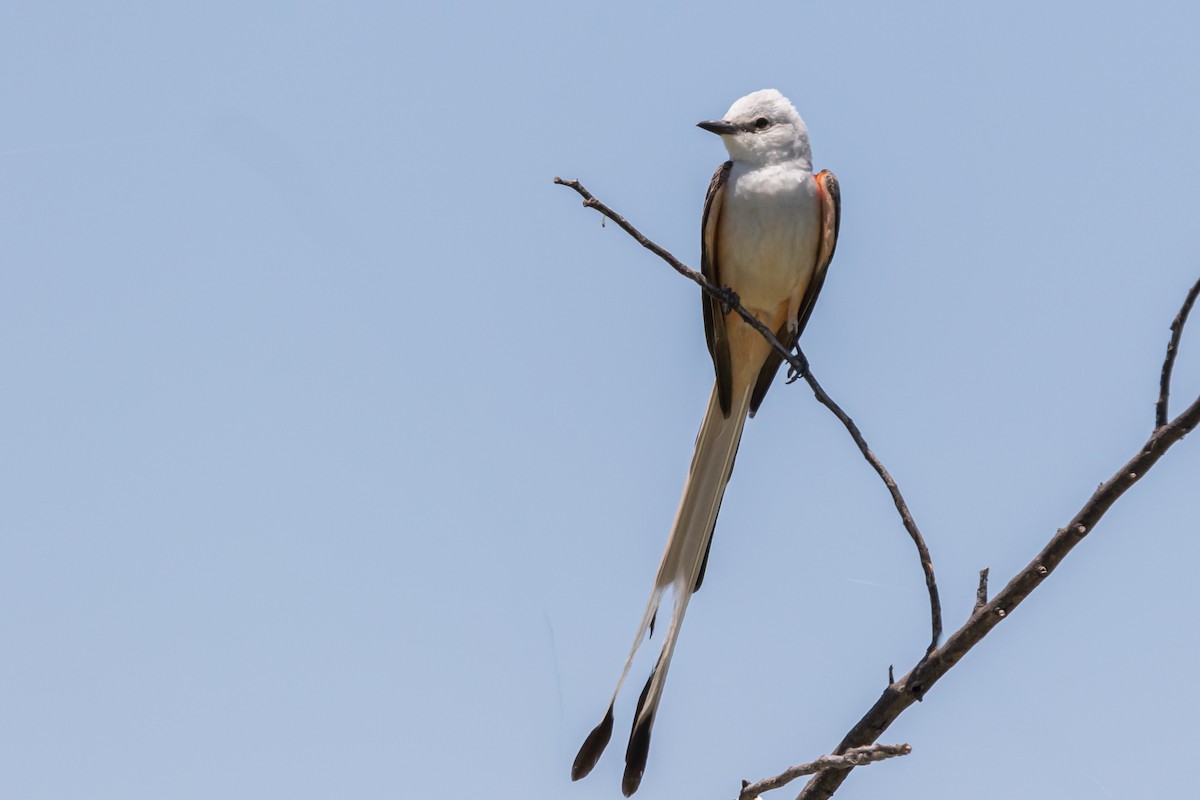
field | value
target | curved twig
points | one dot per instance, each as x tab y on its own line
799	366
910	525
1164	384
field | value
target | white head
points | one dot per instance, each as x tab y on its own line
763	128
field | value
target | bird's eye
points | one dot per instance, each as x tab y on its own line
761	123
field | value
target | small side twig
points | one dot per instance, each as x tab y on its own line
1164	384
856	757
981	592
799	366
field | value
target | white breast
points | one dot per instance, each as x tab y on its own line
768	235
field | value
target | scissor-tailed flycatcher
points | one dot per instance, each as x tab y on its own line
768	233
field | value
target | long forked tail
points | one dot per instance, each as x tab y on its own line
681	569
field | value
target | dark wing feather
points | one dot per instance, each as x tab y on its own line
829	195
714	318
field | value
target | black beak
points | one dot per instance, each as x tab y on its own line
718	126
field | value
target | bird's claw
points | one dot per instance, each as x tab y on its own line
794	374
729	299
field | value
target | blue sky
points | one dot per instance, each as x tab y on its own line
340	445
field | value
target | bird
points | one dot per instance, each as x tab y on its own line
768	233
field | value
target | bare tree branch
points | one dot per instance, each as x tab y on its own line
899	695
1164	391
856	757
799	367
913	686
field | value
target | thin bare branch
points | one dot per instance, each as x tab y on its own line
856	757
906	517
799	367
1164	384
727	297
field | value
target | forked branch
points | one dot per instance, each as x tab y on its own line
913	686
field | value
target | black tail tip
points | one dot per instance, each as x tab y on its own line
636	754
593	747
630	782
635	758
638	749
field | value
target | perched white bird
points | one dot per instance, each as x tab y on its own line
768	233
